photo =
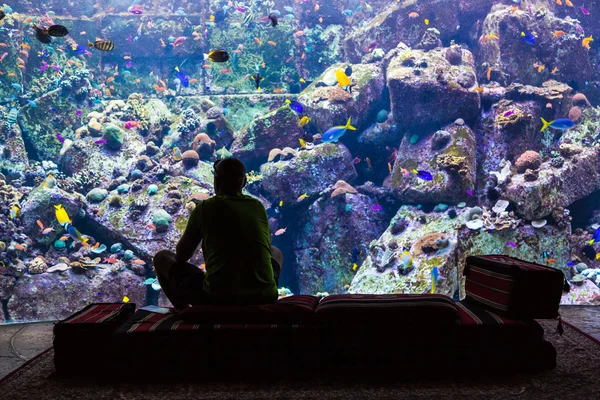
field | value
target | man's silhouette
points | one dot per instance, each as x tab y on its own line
241	266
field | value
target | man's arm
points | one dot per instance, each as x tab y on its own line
191	237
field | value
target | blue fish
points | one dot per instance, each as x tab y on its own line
355	253
273	210
348	13
560	124
596	237
333	134
17	86
183	78
31	103
528	37
426	176
80	49
296	106
74	233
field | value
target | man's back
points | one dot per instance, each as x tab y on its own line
237	247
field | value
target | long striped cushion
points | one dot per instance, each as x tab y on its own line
480	325
515	288
292	309
409	308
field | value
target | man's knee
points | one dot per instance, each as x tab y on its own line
163	260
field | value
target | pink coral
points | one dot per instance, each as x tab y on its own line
528	160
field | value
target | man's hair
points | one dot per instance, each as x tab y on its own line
231	173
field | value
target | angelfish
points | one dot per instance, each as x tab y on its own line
435	277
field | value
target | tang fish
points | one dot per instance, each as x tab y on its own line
333	134
61	215
102	45
560	124
343	80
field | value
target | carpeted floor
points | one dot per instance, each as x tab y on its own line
577	376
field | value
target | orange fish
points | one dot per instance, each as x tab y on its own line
303	56
317	6
127	58
554	70
21	66
272	43
162	43
27	20
3	45
321	20
26	46
139	262
515	9
277	90
39	223
107	92
99	211
96	245
478	89
257	40
368	160
20	247
111	260
390	167
413	15
558	34
551	260
489	74
158	88
559	2
263	64
64	238
26	54
109	80
568	3
540	68
194	80
151	226
12	74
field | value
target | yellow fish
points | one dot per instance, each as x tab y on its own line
302	197
586	42
354	266
302	143
211	18
302	80
303	122
281	203
15	212
176	154
597	256
125	299
61	215
426	22
343	79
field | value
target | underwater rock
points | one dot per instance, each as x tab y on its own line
580	100
393	25
277	129
384	269
113	135
161	220
587	293
453	168
190	158
96	195
382	116
555	187
116	247
60	267
56	296
288	179
323	249
332	106
425	77
440	140
40	205
152	190
575	114
94	127
37	266
508	59
528	160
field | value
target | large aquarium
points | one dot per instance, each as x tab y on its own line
388	140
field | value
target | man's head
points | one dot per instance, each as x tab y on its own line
230	176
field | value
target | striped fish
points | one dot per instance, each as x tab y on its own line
102	45
249	17
12	116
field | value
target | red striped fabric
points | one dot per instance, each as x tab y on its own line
524	265
95	314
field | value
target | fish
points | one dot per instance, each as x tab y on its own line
179	41
528	38
489	74
15	212
335	133
390	167
470	192
377	207
42	35
406	259
63	238
139	262
302	143
100	141
368	161
257	80
183	78
508	113
102	45
219	56
131	124
258	41
558	34
568	3
74	233
559	2
110	260
125	299
273	19
540	68
595	237
426	176
96	245
302	197
296	106
13	114
511	244
151	226
304	121
434	278
176	154
554	70
20	247
50	181
61	215
343	80
585	11
560	124
40	224
272	43
413	15
426	21
47	231
586	42
223	153
551	260
57	31
280	231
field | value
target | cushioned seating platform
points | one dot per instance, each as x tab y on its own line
479	324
